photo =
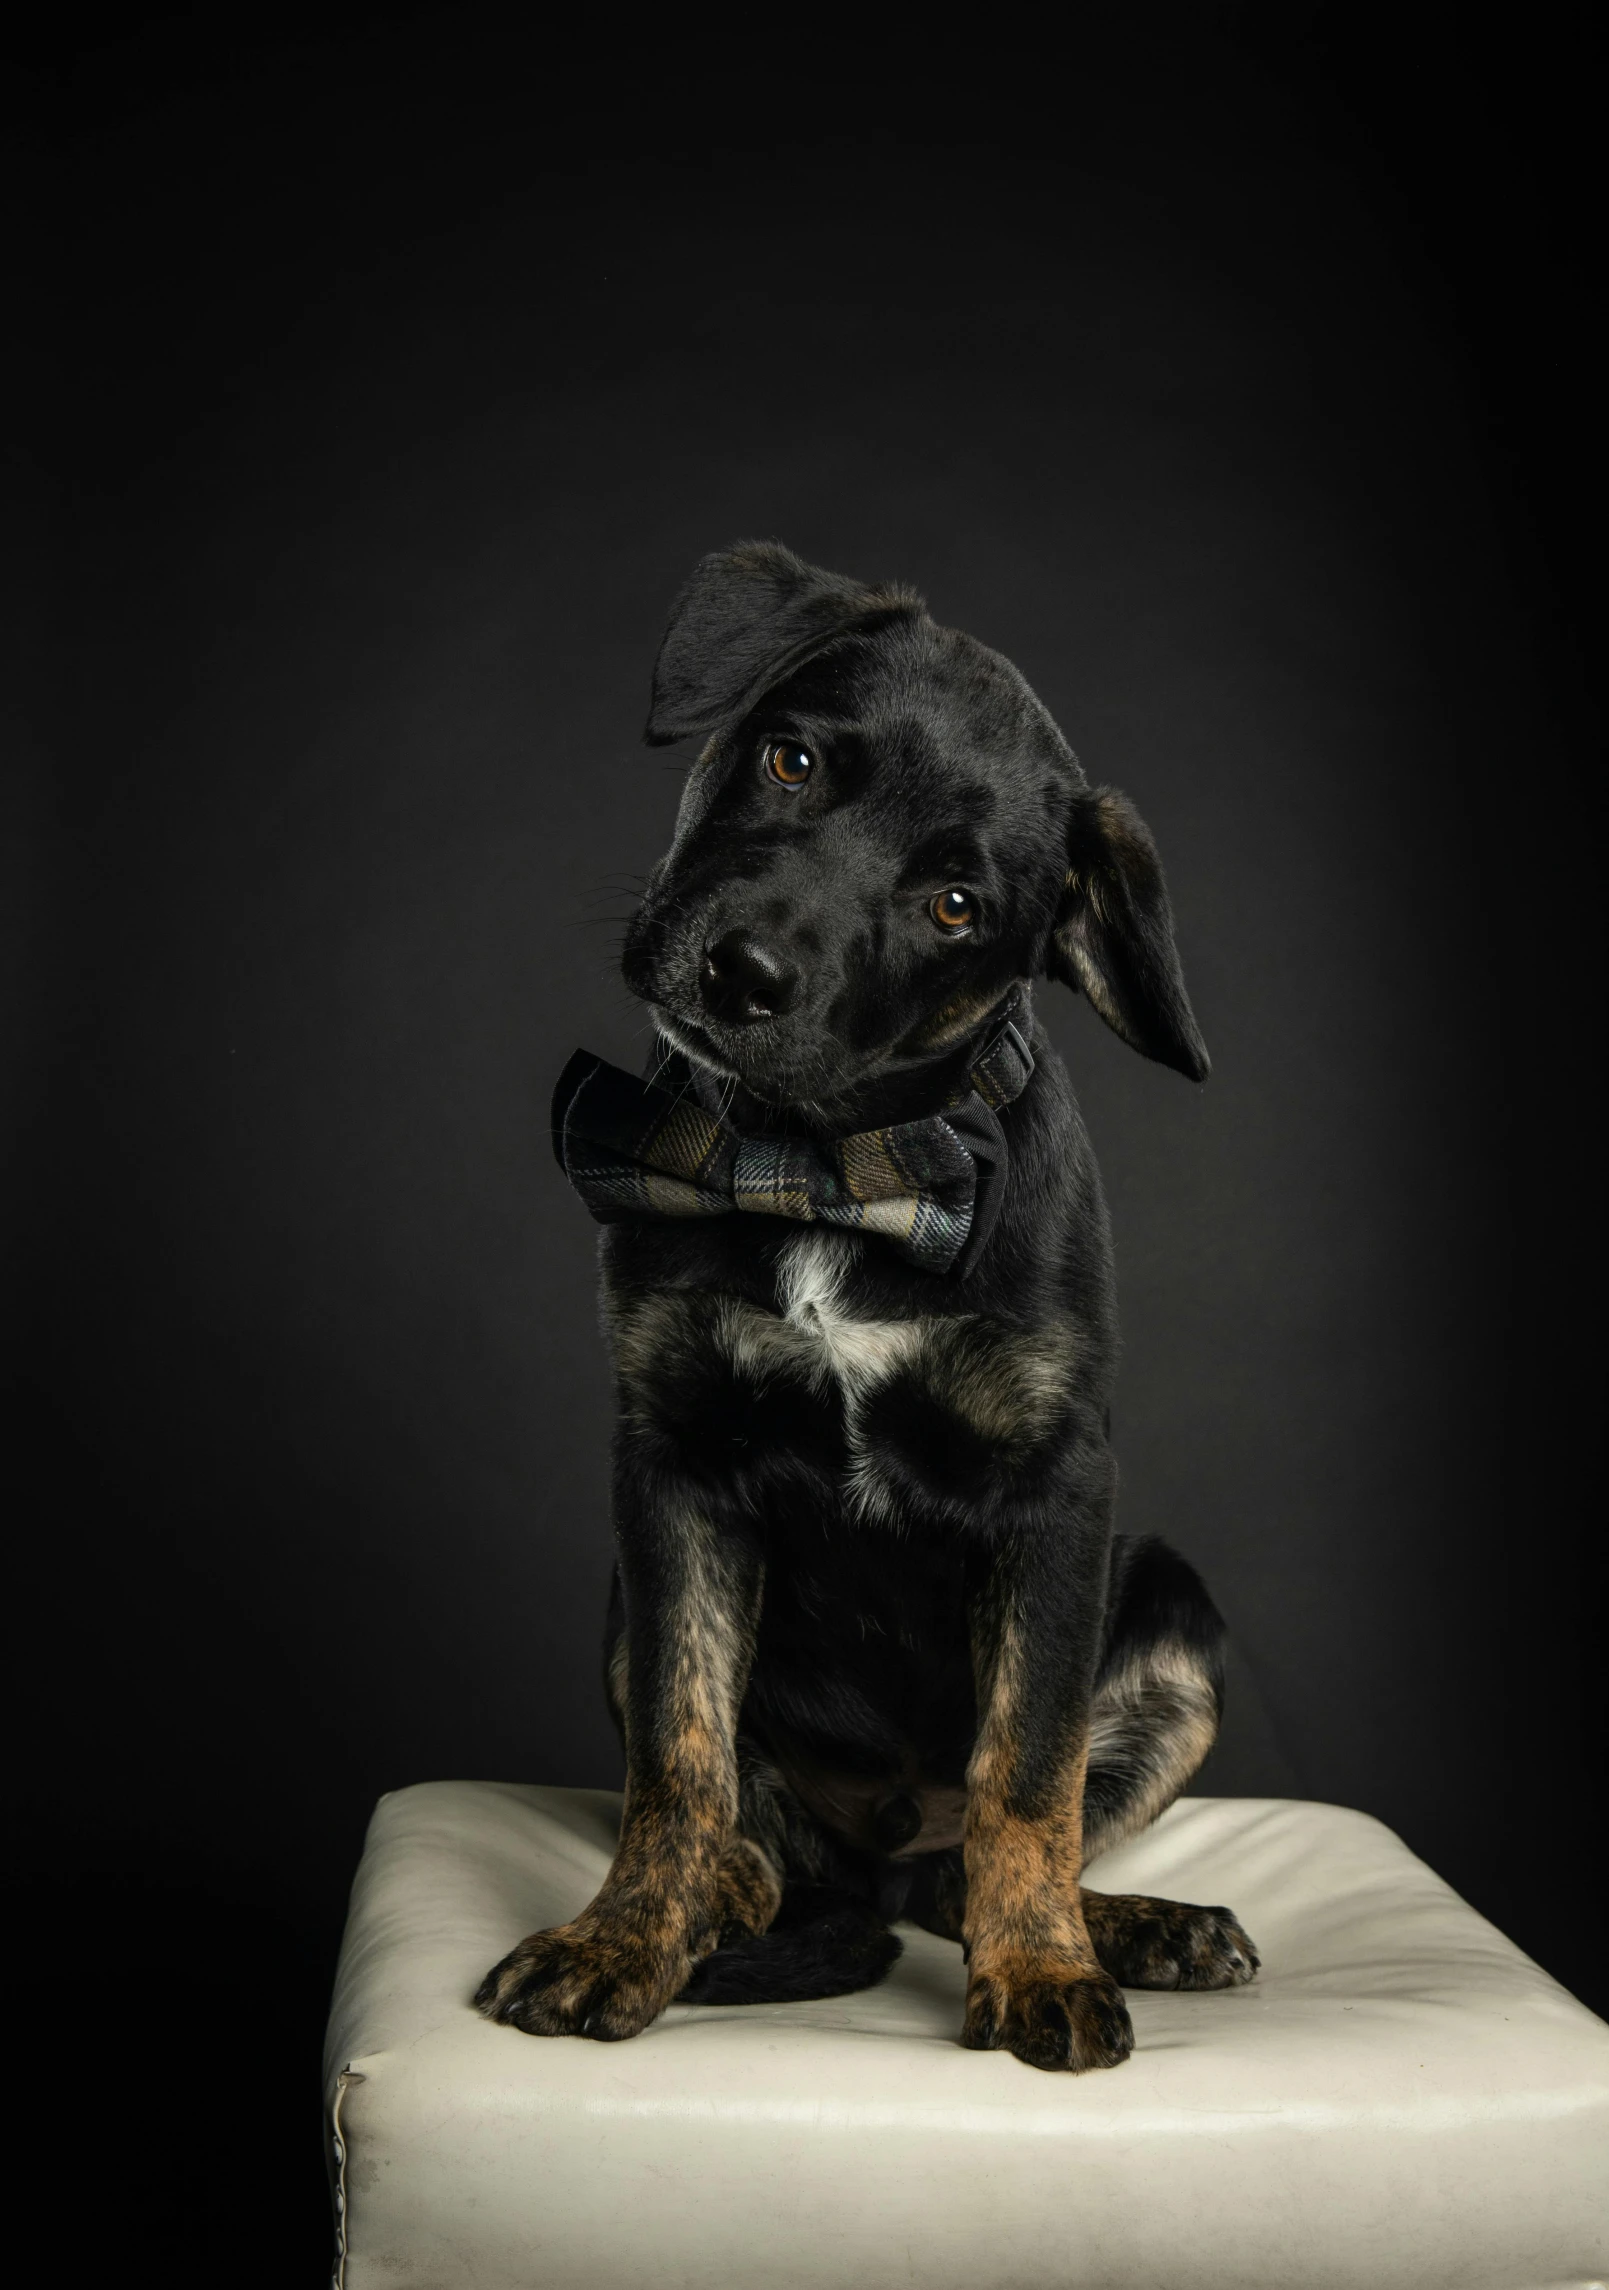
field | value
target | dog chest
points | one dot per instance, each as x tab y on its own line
816	1328
933	1404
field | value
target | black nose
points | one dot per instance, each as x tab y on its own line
742	980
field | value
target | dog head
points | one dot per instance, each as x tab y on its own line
882	831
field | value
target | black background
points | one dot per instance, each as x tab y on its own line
1229	374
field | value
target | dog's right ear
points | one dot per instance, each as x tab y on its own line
747	616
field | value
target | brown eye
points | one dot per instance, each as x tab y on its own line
953	911
788	766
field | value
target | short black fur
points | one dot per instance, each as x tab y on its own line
875	1648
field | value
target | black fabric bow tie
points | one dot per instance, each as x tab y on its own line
931	1188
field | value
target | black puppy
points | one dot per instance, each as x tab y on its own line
874	1648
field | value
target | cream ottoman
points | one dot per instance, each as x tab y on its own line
1401	2098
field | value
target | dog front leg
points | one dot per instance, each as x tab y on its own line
680	1873
1034	1983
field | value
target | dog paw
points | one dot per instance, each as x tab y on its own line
748	1893
579	1982
1062	2021
1147	1943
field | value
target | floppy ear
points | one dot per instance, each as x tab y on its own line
748	615
1114	933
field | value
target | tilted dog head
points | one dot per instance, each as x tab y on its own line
883	830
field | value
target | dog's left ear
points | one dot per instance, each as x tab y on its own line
749	615
1113	934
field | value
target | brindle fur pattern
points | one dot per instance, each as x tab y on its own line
874	1648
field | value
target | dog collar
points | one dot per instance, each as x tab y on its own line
930	1188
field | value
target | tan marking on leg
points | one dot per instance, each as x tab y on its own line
1023	1898
613	1968
1035	1985
1153	1721
748	1891
616	1676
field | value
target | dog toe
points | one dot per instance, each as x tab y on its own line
1061	2025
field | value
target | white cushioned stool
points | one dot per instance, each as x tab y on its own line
1400	2098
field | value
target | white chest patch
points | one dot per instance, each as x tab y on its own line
814	1333
857	1353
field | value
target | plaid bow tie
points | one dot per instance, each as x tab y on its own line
931	1187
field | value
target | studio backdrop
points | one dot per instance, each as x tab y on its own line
401	432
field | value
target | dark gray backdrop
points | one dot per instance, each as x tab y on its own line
410	391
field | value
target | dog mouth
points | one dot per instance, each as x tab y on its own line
694	1042
756	1055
